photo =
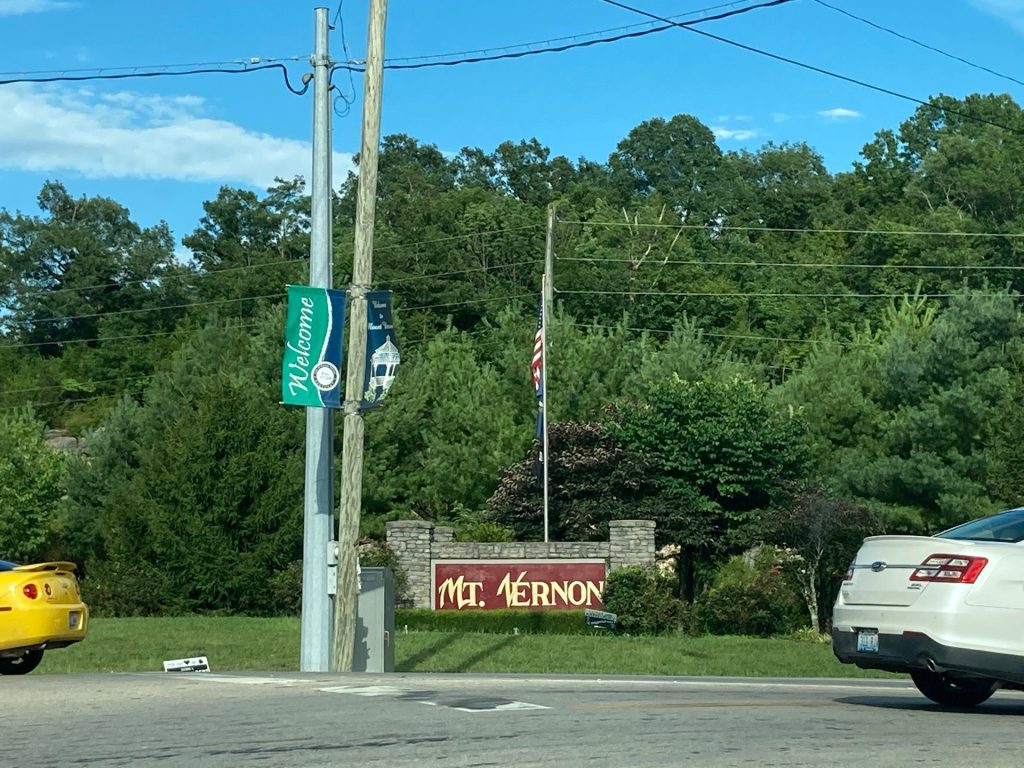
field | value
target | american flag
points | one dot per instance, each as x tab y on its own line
537	365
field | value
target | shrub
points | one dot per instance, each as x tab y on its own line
750	598
115	588
483	531
374	553
286	589
644	600
498	622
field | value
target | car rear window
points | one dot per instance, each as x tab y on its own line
6	565
1006	526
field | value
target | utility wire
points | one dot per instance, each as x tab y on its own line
700	332
64	78
805	230
803	264
646	25
202	275
357	67
151	334
471	301
158	67
813	68
909	39
759	295
112	313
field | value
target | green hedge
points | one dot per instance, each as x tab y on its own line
498	622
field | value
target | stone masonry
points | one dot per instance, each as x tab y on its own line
417	542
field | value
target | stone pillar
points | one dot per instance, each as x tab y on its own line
411	541
631	542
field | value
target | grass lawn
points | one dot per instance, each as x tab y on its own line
238	644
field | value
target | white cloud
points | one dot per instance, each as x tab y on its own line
735	134
133	135
779	117
1011	11
19	7
839	113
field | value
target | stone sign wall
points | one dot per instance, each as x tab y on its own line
417	543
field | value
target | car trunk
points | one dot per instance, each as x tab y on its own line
54	581
882	568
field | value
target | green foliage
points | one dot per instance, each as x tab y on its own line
592	480
750	598
32	481
712	309
377	554
821	535
499	622
202	486
908	416
483	530
644	601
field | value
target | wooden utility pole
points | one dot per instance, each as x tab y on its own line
347	596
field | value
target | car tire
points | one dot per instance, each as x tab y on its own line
21	665
952	691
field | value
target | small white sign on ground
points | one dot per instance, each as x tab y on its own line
195	664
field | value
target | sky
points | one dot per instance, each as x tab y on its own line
162	146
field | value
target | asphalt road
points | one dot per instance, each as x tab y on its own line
211	720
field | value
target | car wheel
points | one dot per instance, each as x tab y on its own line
20	665
952	691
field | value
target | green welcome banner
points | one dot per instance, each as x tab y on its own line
313	340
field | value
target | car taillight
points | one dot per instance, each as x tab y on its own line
30	591
954	569
849	573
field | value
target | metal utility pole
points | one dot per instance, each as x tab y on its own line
318	509
549	264
547	301
347	595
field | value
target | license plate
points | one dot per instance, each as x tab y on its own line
867	641
73	619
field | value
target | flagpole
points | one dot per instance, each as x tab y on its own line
544	401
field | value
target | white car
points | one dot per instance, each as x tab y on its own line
947	609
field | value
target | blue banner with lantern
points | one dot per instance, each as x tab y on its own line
382	357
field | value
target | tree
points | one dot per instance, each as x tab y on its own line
592	480
32	482
906	415
822	535
717	451
677	158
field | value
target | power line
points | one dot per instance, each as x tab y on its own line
798	230
83	383
151	334
551	41
760	295
64	318
570	46
805	264
700	332
201	275
909	39
813	68
467	271
64	78
42	321
251	61
471	302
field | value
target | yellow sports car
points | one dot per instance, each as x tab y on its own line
40	609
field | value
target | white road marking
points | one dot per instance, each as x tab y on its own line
367	690
509	707
387	690
240	680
